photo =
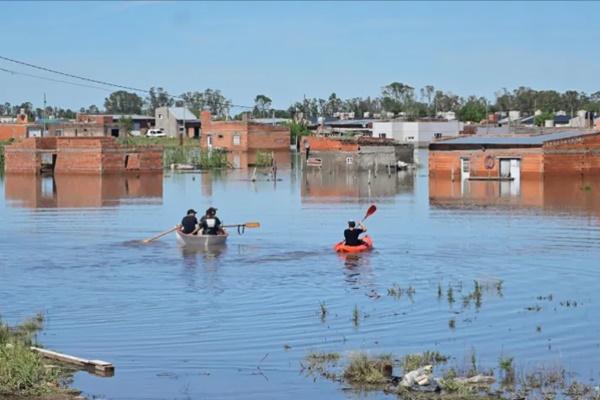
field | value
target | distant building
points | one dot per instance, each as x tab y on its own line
419	133
172	119
14	128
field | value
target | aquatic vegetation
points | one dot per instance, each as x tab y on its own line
452	323
22	371
323	310
397	292
506	367
439	291
411	362
450	295
364	370
315	358
263	159
356	316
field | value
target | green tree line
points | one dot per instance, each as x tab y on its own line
395	99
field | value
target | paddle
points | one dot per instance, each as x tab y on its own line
160	235
370	212
246	225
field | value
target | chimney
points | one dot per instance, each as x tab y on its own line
205	119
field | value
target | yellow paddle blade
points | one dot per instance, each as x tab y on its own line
252	224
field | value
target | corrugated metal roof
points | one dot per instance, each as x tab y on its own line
534	140
132	116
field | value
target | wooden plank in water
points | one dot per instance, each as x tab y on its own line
97	367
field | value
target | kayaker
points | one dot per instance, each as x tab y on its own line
351	235
189	223
210	224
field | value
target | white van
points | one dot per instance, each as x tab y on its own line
156	133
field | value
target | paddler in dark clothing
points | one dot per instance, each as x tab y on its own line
189	223
210	224
351	235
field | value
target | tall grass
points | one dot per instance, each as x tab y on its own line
22	371
193	155
263	159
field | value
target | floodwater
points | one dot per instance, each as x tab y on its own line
237	322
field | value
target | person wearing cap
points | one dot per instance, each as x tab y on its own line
189	223
351	235
210	224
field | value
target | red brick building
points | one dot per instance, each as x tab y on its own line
14	130
242	135
80	155
516	157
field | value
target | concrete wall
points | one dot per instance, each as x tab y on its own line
165	120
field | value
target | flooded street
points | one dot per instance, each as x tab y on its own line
237	322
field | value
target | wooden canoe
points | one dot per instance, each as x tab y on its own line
200	240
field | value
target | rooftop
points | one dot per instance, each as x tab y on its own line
505	141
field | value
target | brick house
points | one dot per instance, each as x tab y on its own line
516	157
242	135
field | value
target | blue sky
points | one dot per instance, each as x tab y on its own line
286	50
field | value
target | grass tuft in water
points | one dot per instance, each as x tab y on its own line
450	295
323	310
363	370
356	316
411	362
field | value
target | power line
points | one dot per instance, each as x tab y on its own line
45	78
97	81
73	76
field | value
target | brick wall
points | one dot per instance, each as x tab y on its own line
268	137
82	155
12	131
447	163
575	156
321	143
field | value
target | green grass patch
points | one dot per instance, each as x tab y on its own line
364	370
411	362
23	372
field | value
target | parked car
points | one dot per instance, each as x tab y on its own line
135	133
156	133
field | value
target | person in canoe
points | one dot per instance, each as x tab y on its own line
210	224
351	235
189	223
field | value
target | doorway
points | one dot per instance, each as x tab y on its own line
196	132
510	174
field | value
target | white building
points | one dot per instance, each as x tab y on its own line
420	133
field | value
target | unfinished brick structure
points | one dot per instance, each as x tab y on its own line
360	153
242	135
484	157
80	155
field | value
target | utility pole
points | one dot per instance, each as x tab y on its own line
44	116
183	128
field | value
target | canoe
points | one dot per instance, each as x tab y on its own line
342	248
200	240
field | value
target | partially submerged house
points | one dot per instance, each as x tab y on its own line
358	153
245	139
80	155
515	157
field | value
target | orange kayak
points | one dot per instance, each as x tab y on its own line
367	245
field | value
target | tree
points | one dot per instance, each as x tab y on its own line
210	99
333	105
540	119
397	97
262	105
474	109
126	124
122	102
158	97
93	109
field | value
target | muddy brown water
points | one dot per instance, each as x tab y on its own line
236	322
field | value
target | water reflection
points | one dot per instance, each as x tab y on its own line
330	186
246	159
73	191
559	194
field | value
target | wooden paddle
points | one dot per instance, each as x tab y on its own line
246	225
160	235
